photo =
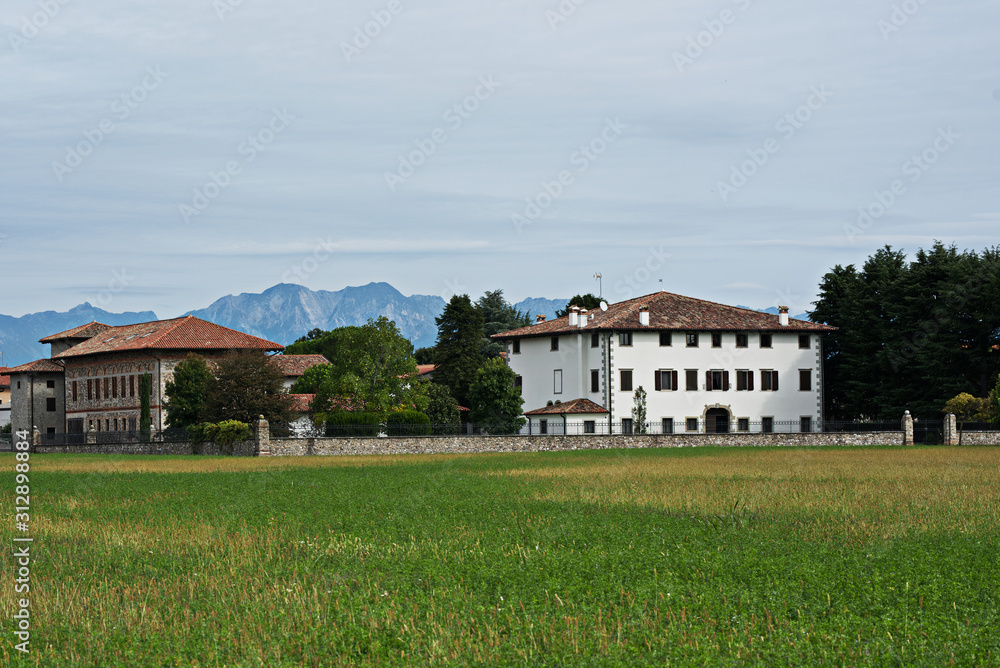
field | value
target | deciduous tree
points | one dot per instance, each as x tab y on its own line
495	402
187	392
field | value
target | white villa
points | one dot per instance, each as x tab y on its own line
705	368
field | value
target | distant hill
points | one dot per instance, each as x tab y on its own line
19	336
286	312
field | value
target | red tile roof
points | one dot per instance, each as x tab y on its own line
82	332
4	377
296	365
575	407
300	402
669	311
187	333
38	366
425	369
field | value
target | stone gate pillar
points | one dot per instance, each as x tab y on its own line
951	434
263	438
907	428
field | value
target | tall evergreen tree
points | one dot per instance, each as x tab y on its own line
498	316
588	301
460	335
187	392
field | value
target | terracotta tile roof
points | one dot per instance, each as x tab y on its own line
4	377
187	333
575	407
38	366
300	402
82	332
669	311
425	369
296	365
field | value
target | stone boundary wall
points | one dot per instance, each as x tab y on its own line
979	438
287	447
243	449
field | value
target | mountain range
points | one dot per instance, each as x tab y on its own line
281	313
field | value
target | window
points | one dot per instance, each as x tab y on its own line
19	385
626	425
717	381
557	381
626	378
691	380
804	341
666	339
743	424
107	425
74	390
744	380
107	388
692	424
595	340
555	343
131	424
114	388
805	380
543	426
515	346
765	340
50	430
595	380
692	339
742	340
768	380
665	380
116	424
716	339
668	425
50	384
50	404
90	392
625	338
519	384
805	424
131	386
589	427
767	425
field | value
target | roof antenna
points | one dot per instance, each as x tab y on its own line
600	284
661	284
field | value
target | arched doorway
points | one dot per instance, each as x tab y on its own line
717	421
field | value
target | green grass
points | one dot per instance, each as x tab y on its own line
873	556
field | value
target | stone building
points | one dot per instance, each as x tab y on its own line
95	371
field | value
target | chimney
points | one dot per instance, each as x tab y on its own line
539	319
574	316
644	316
583	317
783	316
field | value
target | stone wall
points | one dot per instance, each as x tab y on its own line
980	438
243	449
286	447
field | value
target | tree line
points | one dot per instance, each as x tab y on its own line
912	334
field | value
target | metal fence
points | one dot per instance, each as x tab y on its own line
114	438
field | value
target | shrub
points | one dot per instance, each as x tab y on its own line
225	434
345	423
408	423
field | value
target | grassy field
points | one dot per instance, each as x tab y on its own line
861	556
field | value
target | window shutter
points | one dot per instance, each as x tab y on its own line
764	377
725	381
750	380
708	381
673	380
658	380
774	381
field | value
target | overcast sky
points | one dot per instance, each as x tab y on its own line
162	154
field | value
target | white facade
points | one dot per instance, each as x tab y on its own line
590	365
